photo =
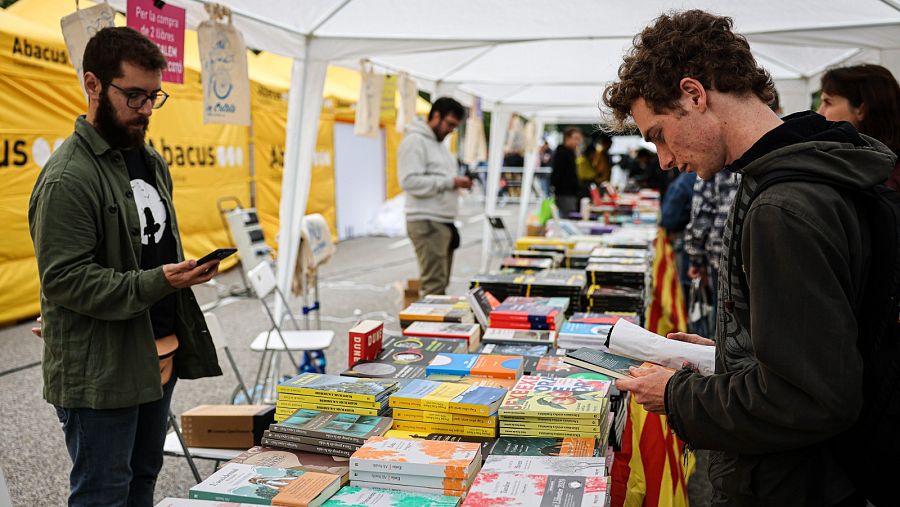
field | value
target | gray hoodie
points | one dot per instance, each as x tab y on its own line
426	168
788	372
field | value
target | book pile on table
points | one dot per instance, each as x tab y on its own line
471	333
405	357
617	274
613	298
566	283
540	313
524	264
574	335
557	407
266	485
353	496
541	480
447	407
263	456
577	257
332	393
419	466
556	258
331	433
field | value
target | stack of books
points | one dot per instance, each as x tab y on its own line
419	466
471	333
501	285
522	336
608	254
262	456
613	298
538	313
436	308
556	258
514	348
556	407
447	407
267	486
616	274
577	257
328	433
539	242
524	264
353	496
538	490
477	365
405	357
567	283
332	393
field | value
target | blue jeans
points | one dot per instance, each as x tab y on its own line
116	453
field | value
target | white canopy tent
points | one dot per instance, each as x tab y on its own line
527	56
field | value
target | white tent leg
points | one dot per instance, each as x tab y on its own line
531	162
304	110
499	126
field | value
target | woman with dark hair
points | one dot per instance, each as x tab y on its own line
867	96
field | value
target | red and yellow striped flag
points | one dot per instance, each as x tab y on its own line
650	469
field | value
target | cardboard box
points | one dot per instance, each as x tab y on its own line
226	426
411	292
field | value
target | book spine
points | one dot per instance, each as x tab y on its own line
547	425
287	429
215	497
321	442
514	432
507	414
294	399
357	348
468	409
327	408
306	391
410	480
410	489
402	467
450	429
285	444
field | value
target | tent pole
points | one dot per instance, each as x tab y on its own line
499	125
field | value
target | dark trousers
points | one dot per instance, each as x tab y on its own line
116	453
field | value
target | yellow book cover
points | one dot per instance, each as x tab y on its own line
448	397
449	429
337	387
406	414
514	432
296	398
535	396
291	409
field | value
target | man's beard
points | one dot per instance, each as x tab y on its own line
117	134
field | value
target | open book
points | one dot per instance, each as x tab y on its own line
632	345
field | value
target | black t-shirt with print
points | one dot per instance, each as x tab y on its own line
157	241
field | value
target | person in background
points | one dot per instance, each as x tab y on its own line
545	155
868	97
429	175
602	160
564	175
119	321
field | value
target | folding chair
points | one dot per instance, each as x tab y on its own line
175	444
276	339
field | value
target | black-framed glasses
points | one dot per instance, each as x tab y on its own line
136	99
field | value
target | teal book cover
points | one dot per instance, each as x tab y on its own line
350	428
351	496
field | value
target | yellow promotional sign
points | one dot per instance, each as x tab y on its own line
269	111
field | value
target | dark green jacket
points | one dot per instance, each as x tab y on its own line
99	348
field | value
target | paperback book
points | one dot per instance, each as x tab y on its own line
336	387
582	466
417	457
405	414
535	396
267	486
300	446
525	336
452	429
514	490
365	341
548	446
477	365
352	496
297	460
449	397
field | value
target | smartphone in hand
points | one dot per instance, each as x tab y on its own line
217	254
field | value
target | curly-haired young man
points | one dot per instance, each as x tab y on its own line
788	373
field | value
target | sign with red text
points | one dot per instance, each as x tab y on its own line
164	26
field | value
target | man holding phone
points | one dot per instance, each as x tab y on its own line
120	323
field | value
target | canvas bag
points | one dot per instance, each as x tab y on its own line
368	108
223	56
78	28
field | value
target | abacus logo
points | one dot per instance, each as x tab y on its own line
15	152
177	155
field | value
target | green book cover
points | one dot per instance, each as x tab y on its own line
602	362
342	427
548	446
351	496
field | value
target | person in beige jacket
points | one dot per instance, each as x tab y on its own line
428	173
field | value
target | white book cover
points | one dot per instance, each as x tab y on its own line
630	340
413	480
546	465
514	490
419	457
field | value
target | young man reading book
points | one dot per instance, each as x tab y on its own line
788	374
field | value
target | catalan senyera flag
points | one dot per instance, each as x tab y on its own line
650	470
